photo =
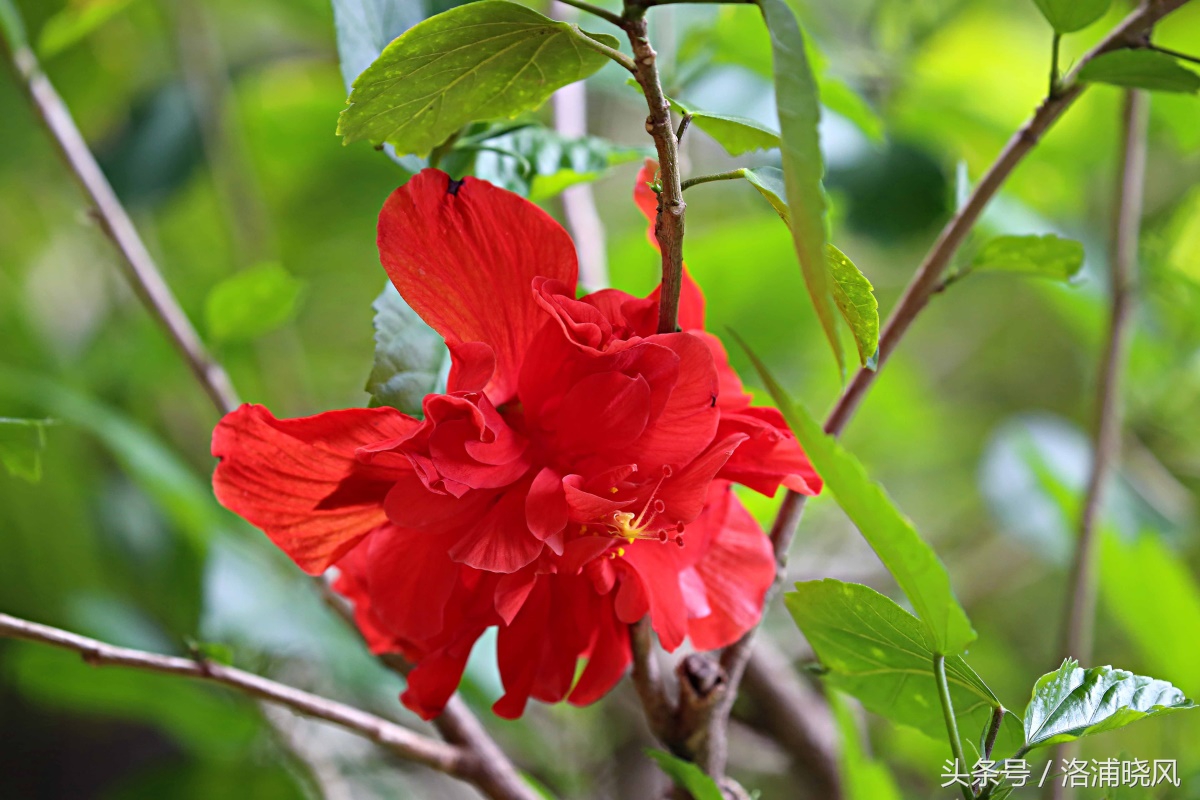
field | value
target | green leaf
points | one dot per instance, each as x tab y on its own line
863	777
912	562
1068	16
852	292
251	303
1071	703
539	162
855	299
21	444
1140	69
408	355
799	113
485	60
365	27
687	775
738	135
841	99
1046	256
75	23
873	649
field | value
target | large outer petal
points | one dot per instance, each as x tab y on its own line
298	479
464	256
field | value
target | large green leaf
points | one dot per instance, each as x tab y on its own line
1068	16
1071	703
873	649
912	562
408	355
799	114
687	775
1047	256
21	444
485	60
738	135
1141	69
863	778
365	27
252	302
855	298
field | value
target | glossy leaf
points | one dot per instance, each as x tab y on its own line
1071	703
855	298
252	303
1141	69
799	114
75	23
1047	256
769	183
863	778
912	562
687	775
21	444
1068	16
874	650
409	355
738	135
486	60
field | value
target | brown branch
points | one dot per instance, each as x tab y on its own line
1130	32
458	725
1080	613
647	680
668	224
136	262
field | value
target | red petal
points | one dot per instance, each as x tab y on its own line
520	648
656	567
607	659
438	674
605	411
546	505
511	592
351	584
280	475
686	492
410	580
464	255
689	419
501	541
737	570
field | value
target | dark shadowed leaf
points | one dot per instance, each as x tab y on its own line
1072	702
855	299
873	649
487	60
75	23
1141	69
1047	256
252	303
1068	16
21	444
408	355
913	563
799	114
687	775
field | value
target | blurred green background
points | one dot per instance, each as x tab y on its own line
214	120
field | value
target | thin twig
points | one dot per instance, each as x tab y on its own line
403	742
1079	619
731	175
1129	33
140	270
956	748
602	13
668	224
1174	53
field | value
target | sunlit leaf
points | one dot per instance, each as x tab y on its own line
738	135
912	562
21	444
799	114
1071	703
1047	256
251	303
75	22
408	355
1141	69
485	60
874	650
1068	16
769	183
855	298
687	775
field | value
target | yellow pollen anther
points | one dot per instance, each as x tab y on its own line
630	539
583	528
620	551
613	490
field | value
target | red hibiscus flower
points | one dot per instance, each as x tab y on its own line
573	478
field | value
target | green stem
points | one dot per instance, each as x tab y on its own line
613	53
1175	54
1054	86
956	748
732	175
993	731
